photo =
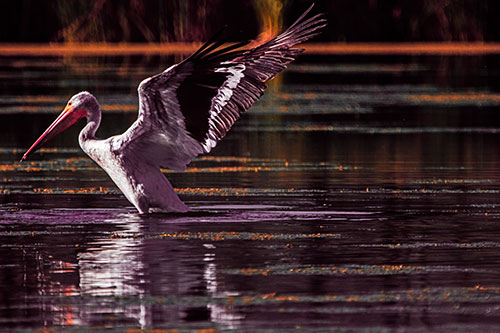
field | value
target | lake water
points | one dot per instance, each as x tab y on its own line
361	193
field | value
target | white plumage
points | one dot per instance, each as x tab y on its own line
183	112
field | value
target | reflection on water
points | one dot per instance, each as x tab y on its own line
360	192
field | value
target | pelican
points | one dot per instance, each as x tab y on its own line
183	112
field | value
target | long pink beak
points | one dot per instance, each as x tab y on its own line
68	117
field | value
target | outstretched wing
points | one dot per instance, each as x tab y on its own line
185	110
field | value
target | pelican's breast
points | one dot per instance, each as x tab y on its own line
123	171
98	150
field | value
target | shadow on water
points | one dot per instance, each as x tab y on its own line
360	192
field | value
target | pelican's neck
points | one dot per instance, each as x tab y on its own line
93	122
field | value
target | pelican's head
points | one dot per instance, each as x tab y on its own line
79	106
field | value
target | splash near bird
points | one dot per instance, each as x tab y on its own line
183	112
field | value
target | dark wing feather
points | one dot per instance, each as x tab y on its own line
188	108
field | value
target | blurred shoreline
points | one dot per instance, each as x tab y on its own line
181	48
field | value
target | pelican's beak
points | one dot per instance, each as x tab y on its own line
68	117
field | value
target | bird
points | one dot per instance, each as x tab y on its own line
183	112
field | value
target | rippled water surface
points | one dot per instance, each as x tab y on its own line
359	193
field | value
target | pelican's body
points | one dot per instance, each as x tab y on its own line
183	112
143	184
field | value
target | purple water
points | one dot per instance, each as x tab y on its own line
349	198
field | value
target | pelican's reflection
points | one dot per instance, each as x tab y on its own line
113	266
156	280
126	272
219	313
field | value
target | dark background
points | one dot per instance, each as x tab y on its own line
180	20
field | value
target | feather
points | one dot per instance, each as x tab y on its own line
187	109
